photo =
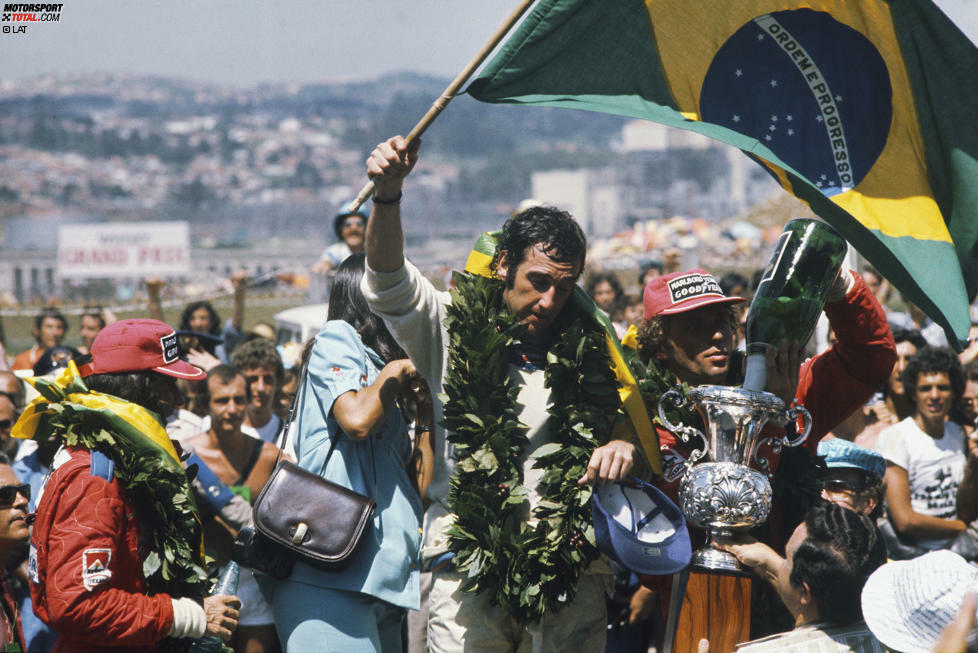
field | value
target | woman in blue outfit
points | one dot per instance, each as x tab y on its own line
356	374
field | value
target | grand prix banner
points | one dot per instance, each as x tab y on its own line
112	250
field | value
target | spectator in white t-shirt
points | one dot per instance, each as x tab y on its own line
926	452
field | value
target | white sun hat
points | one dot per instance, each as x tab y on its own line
907	603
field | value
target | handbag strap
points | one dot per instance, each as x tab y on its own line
287	430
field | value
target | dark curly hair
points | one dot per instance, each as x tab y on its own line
841	551
653	333
731	280
644	270
258	353
347	303
142	388
909	335
560	236
95	312
933	360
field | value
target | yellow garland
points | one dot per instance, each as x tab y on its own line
137	416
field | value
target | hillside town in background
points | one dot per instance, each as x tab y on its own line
258	173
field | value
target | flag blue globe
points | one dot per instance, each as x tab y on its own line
814	91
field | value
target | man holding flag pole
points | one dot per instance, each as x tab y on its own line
528	400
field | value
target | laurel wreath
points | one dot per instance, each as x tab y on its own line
530	567
156	485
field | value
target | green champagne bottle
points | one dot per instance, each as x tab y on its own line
792	291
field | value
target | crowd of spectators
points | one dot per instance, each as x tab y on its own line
898	472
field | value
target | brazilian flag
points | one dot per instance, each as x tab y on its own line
864	109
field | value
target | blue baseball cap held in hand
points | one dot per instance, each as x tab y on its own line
638	526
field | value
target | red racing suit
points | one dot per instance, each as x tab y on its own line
831	386
86	571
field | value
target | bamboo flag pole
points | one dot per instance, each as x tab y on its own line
439	105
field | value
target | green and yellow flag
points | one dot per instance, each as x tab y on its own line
864	109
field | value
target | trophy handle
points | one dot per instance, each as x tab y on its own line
793	412
685	433
762	462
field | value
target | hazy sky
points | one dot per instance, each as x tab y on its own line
244	42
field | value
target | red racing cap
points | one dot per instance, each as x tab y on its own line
138	345
683	291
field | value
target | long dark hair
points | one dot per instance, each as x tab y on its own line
347	303
215	327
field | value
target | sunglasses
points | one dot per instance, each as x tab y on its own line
14	397
837	485
8	493
353	222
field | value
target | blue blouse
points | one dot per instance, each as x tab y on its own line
386	564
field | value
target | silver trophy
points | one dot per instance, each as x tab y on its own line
729	490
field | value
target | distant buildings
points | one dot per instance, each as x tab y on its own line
662	172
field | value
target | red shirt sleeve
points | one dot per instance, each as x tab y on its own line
840	380
89	584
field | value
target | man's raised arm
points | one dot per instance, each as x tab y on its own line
388	165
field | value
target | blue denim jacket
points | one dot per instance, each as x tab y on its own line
386	564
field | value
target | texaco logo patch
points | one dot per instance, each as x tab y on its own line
95	567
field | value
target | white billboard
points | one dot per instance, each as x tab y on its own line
123	250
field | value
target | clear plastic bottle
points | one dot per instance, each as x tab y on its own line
227	584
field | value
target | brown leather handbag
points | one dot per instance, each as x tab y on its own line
314	520
299	515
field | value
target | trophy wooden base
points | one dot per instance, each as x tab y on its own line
713	605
